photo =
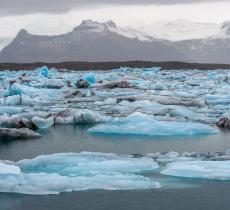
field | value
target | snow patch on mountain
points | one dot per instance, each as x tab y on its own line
180	30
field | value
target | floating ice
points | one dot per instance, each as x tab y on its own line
177	96
84	116
10	110
52	84
9	169
215	170
52	174
43	123
90	77
18	89
17	100
44	71
13	133
142	124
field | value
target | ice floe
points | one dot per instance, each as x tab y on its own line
66	172
142	124
43	123
215	170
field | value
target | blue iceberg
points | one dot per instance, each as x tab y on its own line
66	172
142	124
44	71
90	77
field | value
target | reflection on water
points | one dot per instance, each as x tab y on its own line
76	139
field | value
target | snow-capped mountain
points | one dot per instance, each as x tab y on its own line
214	49
89	26
95	41
90	41
223	32
180	30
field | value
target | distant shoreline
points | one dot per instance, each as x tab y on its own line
113	65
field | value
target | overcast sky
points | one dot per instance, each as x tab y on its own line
59	16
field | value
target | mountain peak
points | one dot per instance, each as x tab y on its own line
111	24
22	33
90	25
226	27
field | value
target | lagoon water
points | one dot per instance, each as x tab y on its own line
69	138
179	194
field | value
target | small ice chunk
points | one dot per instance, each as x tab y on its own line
215	170
44	71
79	116
43	123
90	77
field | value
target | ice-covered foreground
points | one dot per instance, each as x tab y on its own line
68	172
43	97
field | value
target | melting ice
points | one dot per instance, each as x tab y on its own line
165	100
66	172
215	170
142	124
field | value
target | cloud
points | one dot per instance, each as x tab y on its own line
9	7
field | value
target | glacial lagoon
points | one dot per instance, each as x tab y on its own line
136	131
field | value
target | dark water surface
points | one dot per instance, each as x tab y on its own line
208	196
77	139
184	194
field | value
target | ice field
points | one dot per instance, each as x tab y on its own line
120	102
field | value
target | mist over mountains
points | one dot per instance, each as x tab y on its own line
95	41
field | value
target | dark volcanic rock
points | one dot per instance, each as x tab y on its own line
118	84
223	123
13	133
81	83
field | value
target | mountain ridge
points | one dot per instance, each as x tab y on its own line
94	41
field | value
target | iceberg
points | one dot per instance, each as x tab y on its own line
44	71
76	116
52	84
43	123
17	100
67	172
14	133
214	170
18	89
142	124
87	117
10	110
90	77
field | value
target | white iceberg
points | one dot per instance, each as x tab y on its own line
215	170
17	100
87	116
142	124
78	116
43	123
52	174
